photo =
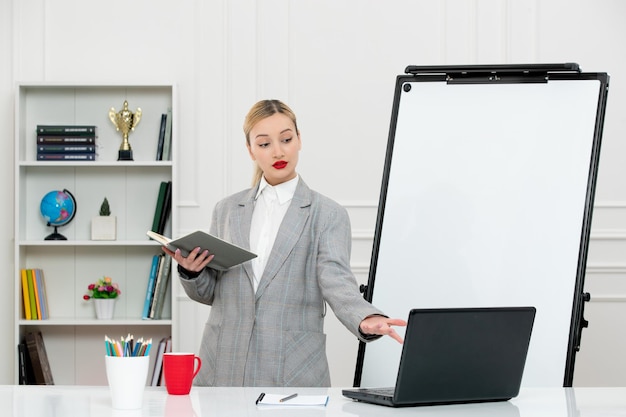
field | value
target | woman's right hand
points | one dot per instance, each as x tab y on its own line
196	261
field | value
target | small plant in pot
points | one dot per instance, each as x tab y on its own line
104	293
105	209
104	226
102	288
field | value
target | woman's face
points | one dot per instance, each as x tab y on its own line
275	145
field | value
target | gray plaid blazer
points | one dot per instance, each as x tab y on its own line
275	337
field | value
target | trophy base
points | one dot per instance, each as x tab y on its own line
124	155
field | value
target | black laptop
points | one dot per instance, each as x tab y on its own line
458	355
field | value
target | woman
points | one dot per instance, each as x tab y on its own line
266	322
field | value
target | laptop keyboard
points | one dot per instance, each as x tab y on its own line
385	392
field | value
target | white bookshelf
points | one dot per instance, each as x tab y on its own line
73	337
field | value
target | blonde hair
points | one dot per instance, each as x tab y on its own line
258	112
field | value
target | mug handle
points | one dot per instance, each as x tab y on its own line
198	363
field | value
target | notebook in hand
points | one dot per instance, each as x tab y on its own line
226	254
458	355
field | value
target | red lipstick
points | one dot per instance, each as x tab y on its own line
280	164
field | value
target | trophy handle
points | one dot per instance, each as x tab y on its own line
113	117
136	118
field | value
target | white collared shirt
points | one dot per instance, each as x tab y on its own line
271	204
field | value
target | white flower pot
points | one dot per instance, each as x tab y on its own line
104	307
104	228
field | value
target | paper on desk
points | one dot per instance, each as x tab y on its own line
300	400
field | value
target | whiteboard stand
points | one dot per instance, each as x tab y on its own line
486	200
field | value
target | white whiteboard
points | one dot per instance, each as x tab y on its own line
485	205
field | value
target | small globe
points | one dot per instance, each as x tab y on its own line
58	208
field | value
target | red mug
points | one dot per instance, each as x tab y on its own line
179	370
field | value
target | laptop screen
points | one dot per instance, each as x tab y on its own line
467	353
460	355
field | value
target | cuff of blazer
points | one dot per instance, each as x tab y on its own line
186	274
368	337
365	337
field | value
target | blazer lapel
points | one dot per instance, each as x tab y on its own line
288	235
240	226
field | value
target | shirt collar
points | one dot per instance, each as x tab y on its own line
284	191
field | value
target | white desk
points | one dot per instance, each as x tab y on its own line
75	401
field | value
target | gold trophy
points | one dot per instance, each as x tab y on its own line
125	121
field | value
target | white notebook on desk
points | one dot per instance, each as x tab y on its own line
278	400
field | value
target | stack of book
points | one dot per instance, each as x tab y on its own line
34	294
66	143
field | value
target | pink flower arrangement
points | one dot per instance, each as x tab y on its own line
103	288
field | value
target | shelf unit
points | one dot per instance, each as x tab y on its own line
73	337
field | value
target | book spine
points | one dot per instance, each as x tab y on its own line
37	294
43	357
66	156
160	297
22	357
28	364
31	295
158	363
67	130
159	206
26	295
157	285
73	148
166	208
159	153
150	287
41	292
56	140
33	353
167	142
168	349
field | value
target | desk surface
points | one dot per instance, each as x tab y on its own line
70	401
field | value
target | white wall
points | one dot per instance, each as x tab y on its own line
335	63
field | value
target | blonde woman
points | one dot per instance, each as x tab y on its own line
267	315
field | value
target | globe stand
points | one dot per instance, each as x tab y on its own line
58	208
55	235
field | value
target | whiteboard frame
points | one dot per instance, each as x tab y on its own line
499	75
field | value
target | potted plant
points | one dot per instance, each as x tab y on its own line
104	226
104	293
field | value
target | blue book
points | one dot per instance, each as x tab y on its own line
150	289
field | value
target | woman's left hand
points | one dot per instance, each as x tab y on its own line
381	325
196	261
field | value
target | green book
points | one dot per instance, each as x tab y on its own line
159	206
166	208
